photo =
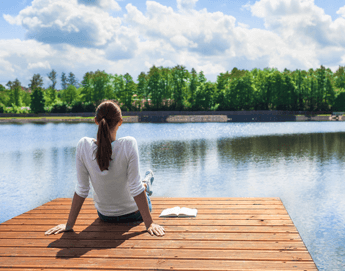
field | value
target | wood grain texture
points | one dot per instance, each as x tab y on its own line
227	234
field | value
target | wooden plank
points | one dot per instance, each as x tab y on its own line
91	269
145	264
199	216
141	227
156	243
153	198
157	211
254	255
162	221
197	206
186	202
146	236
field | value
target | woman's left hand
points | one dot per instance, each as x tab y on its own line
58	229
156	229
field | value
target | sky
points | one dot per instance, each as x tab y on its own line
129	36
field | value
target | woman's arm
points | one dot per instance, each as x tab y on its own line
77	202
143	206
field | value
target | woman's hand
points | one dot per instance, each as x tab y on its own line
156	229
57	229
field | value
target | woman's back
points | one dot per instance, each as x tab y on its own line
112	167
114	188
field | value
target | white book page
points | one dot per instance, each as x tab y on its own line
171	211
184	211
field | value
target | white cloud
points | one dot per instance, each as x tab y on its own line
199	32
341	11
179	41
68	35
66	21
186	4
104	4
38	65
300	22
304	27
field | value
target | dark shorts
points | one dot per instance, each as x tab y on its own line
135	216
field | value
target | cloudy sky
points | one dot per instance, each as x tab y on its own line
131	36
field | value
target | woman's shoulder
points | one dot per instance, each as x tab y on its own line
85	140
127	140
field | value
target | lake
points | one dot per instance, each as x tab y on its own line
302	163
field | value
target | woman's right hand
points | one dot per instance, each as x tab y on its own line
156	229
57	229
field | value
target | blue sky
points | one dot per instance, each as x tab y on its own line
131	36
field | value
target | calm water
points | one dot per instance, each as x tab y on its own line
302	163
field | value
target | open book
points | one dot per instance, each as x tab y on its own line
178	212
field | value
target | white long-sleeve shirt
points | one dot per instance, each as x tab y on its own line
115	188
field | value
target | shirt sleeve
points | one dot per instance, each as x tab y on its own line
83	184
135	185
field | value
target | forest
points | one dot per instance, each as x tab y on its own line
178	89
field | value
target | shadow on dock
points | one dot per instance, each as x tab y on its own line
94	237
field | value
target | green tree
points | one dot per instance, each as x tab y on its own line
154	88
118	86
179	78
14	93
279	96
51	96
101	84
165	85
36	81
203	95
87	92
245	91
339	77
141	89
129	90
37	101
63	81
329	95
339	102
52	77
26	98
193	84
311	103
222	80
298	77
4	97
69	94
72	80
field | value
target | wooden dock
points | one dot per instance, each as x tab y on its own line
227	234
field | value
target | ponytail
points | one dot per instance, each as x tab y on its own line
108	115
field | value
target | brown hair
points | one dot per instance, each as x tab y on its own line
108	115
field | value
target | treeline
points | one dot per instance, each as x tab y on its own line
178	89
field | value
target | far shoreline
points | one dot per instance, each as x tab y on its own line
178	117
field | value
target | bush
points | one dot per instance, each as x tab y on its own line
48	109
77	107
2	108
59	107
23	110
89	107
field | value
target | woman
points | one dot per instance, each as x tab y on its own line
112	166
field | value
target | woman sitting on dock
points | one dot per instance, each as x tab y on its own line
112	165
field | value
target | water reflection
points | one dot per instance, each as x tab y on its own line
199	160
